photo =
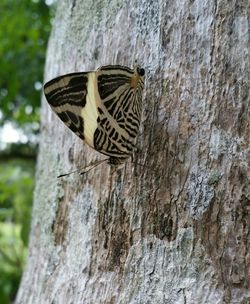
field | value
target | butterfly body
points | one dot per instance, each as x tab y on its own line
102	107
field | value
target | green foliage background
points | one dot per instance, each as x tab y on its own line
24	31
16	187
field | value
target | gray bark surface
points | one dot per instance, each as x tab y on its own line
176	229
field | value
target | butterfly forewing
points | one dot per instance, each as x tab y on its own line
102	107
67	97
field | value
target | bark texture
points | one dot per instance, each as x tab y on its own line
176	229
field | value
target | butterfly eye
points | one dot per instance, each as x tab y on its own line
141	71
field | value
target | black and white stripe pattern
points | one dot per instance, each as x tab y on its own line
67	96
102	107
123	103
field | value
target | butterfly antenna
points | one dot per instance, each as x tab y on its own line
85	169
92	166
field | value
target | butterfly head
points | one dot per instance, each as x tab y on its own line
137	77
140	71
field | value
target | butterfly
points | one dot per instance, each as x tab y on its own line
102	107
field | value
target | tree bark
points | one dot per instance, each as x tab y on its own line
172	226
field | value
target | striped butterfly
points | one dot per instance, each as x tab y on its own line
102	107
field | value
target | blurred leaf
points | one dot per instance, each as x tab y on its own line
24	30
16	190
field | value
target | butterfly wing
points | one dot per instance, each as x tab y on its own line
71	97
101	107
120	90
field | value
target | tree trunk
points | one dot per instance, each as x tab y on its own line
172	226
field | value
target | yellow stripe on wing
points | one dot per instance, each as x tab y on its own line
89	112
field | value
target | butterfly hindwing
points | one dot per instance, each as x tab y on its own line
121	110
112	78
121	97
67	97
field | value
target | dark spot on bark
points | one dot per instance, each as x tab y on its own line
70	154
113	229
60	224
96	53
